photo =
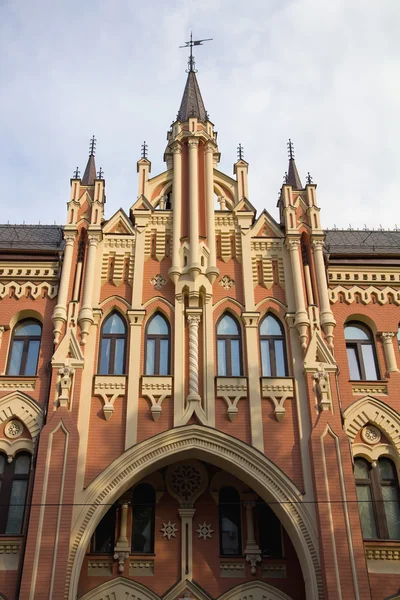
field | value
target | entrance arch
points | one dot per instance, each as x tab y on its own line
214	447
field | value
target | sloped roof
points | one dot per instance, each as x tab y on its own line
192	104
293	177
31	237
90	172
362	242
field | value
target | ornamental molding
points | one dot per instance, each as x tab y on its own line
38	271
365	276
186	481
109	388
367	295
16	383
13	429
232	389
28	290
156	389
10	547
278	390
371	435
257	590
169	530
19	405
158	281
216	448
379	389
119	587
226	282
373	411
204	531
381	552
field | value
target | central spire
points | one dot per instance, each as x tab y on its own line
192	104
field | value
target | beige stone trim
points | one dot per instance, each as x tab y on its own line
257	590
378	389
109	388
232	569
212	270
373	453
11	448
135	317
387	338
85	317
327	319
217	448
364	294
301	318
194	204
60	312
120	587
16	383
371	410
34	290
17	404
278	390
156	388
232	389
250	320
9	555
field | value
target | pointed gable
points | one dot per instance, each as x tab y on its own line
119	224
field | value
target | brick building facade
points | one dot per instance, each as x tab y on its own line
197	401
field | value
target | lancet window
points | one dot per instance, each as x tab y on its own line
25	347
113	346
361	353
229	351
273	350
158	346
14	478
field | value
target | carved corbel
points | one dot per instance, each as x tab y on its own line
64	398
156	389
109	388
323	388
278	390
232	389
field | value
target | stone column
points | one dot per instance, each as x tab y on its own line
85	318
193	318
132	390
250	320
212	271
177	210
327	319
391	363
186	515
301	318
60	311
252	550
122	549
194	205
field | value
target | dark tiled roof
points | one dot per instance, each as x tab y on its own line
339	241
31	237
90	172
293	177
192	104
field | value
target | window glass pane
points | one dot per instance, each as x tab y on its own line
105	533
150	352
386	469
265	358
142	534
227	326
119	356
2	463
230	522
16	357
164	357
221	352
280	359
366	509
105	356
17	507
114	324
22	465
158	326
32	358
31	328
235	358
352	332
361	469
392	510
270	326
353	363
369	362
269	528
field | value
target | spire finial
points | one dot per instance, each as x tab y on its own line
240	151
144	150
191	64
100	174
290	149
285	177
309	179
92	146
77	173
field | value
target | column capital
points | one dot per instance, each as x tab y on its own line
193	320
209	148
250	319
136	316
176	148
387	336
317	245
69	239
93	239
193	143
293	244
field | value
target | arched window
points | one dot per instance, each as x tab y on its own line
112	348
103	539
378	498
361	352
14	478
229	350
143	507
269	531
25	346
157	346
273	352
230	522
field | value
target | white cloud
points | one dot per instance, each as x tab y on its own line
324	74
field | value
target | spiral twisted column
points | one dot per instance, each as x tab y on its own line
194	322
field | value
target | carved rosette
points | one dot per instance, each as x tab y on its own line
371	435
186	481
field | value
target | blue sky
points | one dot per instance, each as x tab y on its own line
325	74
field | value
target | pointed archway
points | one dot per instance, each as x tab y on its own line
214	447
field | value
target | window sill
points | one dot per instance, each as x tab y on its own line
378	387
383	550
17	382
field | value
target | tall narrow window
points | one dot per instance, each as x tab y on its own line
14	478
273	352
361	354
112	349
378	499
157	346
103	540
230	522
269	531
229	350
143	506
25	346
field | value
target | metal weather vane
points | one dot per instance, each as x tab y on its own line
190	44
